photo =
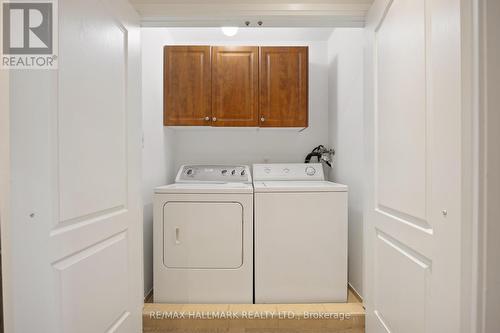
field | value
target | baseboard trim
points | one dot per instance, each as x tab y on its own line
355	292
148	298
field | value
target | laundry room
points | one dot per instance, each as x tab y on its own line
239	166
334	121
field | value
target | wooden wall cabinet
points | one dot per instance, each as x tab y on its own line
240	86
284	86
187	86
235	86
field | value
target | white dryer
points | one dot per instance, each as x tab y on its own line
300	235
203	236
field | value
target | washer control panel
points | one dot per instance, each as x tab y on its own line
288	171
214	174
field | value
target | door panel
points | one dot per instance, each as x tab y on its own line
72	273
88	113
401	138
235	85
400	305
412	230
187	86
284	86
75	200
203	235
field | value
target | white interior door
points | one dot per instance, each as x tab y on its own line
75	226
414	208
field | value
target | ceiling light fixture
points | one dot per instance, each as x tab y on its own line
229	31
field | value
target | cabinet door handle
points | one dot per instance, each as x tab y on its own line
207	118
214	119
262	119
177	232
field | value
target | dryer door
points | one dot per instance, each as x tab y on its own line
202	235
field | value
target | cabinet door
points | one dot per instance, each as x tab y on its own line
283	87
235	86
187	87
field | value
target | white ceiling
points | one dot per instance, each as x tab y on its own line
272	13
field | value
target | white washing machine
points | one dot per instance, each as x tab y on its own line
300	235
203	236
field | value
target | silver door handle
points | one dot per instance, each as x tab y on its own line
214	119
207	118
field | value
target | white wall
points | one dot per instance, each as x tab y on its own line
167	148
247	145
491	185
335	117
158	146
4	197
345	57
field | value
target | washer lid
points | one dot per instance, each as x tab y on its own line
298	186
194	188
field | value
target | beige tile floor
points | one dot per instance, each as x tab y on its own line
255	318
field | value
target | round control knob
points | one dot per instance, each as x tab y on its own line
189	172
310	171
243	172
267	170
233	172
286	170
224	172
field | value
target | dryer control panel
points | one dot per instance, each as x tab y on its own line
214	174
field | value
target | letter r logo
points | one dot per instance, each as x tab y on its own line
27	27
